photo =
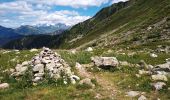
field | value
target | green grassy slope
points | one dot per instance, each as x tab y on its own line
137	15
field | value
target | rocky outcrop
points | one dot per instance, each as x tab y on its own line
105	61
48	63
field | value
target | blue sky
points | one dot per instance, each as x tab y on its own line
14	13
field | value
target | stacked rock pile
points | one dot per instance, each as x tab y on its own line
49	63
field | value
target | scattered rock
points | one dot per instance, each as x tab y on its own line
98	96
17	53
149	28
105	61
124	63
164	49
89	49
143	72
137	75
25	63
11	70
150	67
16	50
132	93
74	78
159	77
153	55
142	98
159	85
4	52
73	51
161	72
4	85
143	65
34	50
87	81
163	67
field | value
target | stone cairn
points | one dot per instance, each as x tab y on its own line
46	63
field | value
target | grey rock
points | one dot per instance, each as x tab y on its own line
25	63
159	85
153	55
143	72
37	62
36	79
105	61
39	68
124	63
143	65
50	66
142	98
74	77
39	74
163	67
33	50
89	49
159	77
132	93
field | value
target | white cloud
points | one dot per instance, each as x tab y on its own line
63	16
72	3
15	6
116	1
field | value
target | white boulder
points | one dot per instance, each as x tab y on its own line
4	85
89	49
153	55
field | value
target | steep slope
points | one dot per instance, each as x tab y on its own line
135	22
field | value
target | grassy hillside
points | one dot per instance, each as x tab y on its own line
132	20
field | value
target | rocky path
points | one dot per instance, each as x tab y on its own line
107	89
